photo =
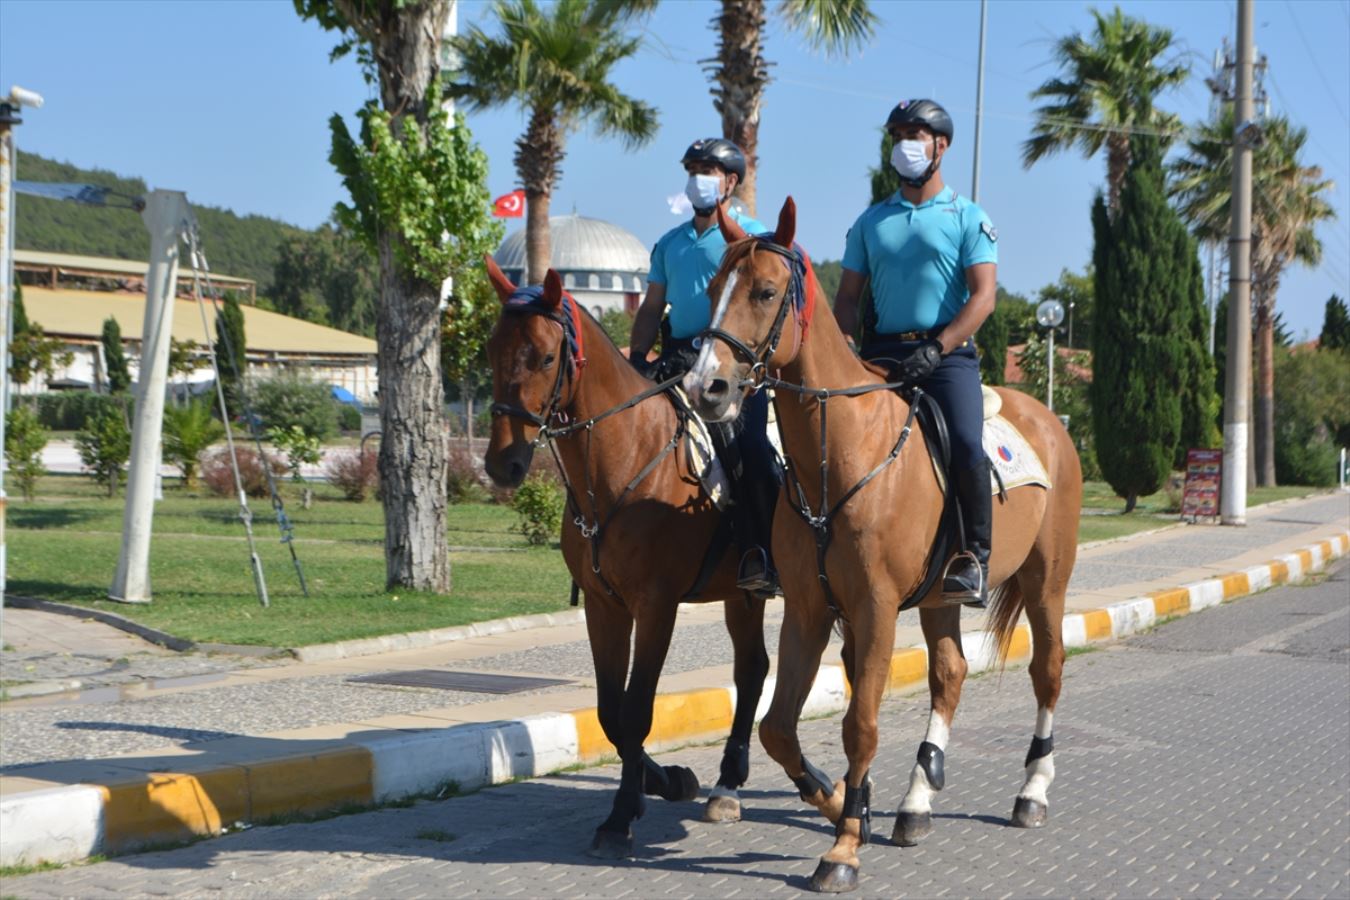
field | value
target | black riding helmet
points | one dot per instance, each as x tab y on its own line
922	112
717	150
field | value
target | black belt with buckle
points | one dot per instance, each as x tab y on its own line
905	336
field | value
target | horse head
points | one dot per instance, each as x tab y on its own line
531	369
759	292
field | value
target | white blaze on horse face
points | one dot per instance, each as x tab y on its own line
1040	772
708	363
919	797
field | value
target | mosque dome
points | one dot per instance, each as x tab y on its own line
591	255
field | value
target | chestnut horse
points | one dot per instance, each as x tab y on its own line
642	525
876	543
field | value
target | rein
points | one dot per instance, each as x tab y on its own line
590	525
818	520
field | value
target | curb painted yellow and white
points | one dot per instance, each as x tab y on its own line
134	809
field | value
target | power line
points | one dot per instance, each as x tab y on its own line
1316	65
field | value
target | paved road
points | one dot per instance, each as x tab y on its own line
1207	758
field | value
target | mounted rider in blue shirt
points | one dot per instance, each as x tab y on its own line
932	258
684	261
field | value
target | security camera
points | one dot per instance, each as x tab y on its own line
1250	134
21	97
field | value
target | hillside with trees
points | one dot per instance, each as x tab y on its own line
244	246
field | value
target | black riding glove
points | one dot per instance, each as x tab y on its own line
639	362
925	359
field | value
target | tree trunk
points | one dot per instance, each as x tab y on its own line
1130	501
740	74
1265	394
1117	164
414	450
413	446
538	241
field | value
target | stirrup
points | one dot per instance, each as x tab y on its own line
756	575
955	593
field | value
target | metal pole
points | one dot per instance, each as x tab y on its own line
1238	379
979	106
1050	370
166	216
9	117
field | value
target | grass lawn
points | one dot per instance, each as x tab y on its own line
63	546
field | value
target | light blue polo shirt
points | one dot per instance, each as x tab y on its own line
685	261
917	256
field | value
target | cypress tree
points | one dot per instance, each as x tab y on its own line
119	372
1335	326
992	340
1139	339
230	355
1200	403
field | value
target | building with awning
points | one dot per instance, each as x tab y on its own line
276	343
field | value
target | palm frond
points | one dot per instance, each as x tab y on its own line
834	27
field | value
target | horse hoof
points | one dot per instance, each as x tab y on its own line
611	845
1028	813
834	878
911	827
723	808
683	783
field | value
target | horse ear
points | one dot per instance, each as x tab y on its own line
731	229
500	283
553	290
787	224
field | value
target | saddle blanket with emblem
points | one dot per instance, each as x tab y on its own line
1012	456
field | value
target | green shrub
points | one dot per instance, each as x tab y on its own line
188	431
293	400
300	448
349	417
24	439
105	446
539	502
1312	414
71	410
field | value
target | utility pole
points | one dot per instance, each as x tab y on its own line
1238	379
9	117
167	217
979	106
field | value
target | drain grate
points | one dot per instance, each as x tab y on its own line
469	682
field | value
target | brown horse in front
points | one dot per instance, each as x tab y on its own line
881	540
640	539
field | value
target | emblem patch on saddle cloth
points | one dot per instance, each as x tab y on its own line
1012	455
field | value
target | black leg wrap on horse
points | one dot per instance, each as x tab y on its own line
1039	747
735	764
857	805
628	807
813	780
931	758
654	780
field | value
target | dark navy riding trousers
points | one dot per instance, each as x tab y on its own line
955	385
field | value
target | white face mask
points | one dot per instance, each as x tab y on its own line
704	191
910	158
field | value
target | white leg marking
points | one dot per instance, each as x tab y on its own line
919	797
720	791
1041	772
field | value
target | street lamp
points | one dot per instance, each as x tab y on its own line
1071	306
1048	315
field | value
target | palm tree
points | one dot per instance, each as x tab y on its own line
1288	202
740	73
1104	93
556	65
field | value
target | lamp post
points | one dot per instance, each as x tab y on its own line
1071	306
1049	315
9	117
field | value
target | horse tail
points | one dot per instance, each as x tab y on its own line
1005	608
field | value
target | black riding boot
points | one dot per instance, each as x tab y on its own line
756	493
967	577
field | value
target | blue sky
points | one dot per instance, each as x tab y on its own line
229	101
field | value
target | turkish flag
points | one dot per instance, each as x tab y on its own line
509	206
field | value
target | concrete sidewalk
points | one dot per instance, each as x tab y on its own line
193	755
